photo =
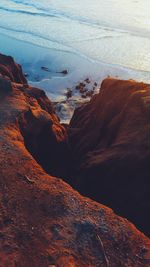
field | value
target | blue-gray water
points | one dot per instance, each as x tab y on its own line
88	38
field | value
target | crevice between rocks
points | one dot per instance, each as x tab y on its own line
50	152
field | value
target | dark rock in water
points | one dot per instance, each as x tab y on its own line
90	93
81	87
83	96
65	72
43	221
87	80
69	93
45	68
9	68
110	141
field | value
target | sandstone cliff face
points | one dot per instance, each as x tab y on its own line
44	136
110	141
9	69
43	221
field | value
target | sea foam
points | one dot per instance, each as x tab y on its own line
92	39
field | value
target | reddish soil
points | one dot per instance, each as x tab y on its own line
43	221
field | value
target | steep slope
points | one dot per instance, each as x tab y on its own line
11	70
110	141
43	221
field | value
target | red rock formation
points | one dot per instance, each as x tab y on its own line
43	221
44	136
110	141
11	70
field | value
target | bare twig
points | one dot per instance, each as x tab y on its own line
28	179
103	250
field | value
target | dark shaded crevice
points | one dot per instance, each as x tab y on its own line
51	154
121	188
106	187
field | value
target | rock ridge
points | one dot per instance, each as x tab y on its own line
109	139
43	221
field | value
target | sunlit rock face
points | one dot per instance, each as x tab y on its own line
9	69
109	139
43	221
44	136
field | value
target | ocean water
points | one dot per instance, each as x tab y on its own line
87	38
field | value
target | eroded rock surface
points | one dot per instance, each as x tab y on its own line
11	70
43	221
110	141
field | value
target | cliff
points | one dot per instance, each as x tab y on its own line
109	139
43	221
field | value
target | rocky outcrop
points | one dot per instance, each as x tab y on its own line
43	221
44	136
11	70
109	139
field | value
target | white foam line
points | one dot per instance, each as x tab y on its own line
77	53
92	23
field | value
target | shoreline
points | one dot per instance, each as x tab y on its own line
34	59
39	53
